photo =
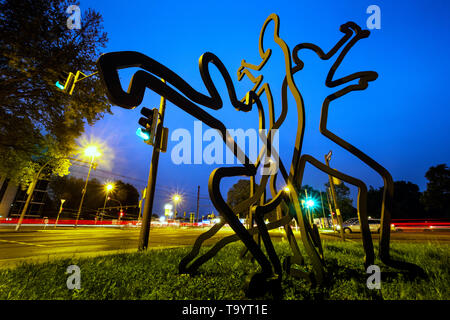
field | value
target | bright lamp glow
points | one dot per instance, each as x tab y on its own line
286	189
310	203
92	151
109	187
176	198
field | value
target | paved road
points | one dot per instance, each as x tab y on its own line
439	237
37	244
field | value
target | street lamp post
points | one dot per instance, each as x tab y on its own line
109	187
120	204
91	152
330	207
333	194
323	211
30	192
60	210
176	198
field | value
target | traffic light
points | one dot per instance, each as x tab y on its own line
149	122
70	79
310	203
66	81
149	130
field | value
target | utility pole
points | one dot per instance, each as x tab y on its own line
148	205
198	200
84	192
140	204
307	207
333	194
323	210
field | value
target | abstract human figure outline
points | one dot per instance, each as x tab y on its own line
180	93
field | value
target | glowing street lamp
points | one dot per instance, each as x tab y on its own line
108	187
92	152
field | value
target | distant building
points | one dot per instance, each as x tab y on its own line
7	195
12	199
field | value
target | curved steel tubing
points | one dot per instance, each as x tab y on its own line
352	29
176	90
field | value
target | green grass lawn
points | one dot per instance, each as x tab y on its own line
154	275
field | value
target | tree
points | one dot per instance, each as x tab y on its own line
406	201
126	193
69	188
436	198
344	201
38	122
239	192
128	196
374	200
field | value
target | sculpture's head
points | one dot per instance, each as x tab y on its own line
352	34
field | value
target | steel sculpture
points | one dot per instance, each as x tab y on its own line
287	203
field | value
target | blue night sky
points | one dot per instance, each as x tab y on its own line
401	120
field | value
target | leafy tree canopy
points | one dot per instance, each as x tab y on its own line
344	201
406	202
70	187
239	192
39	122
436	197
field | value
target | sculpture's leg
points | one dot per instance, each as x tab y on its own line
385	231
387	178
362	203
226	240
182	267
257	282
297	258
245	253
263	233
305	232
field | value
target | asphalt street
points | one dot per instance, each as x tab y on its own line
38	244
44	244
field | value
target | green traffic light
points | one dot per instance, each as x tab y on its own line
59	85
310	203
142	134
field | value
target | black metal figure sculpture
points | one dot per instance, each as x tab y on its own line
181	94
